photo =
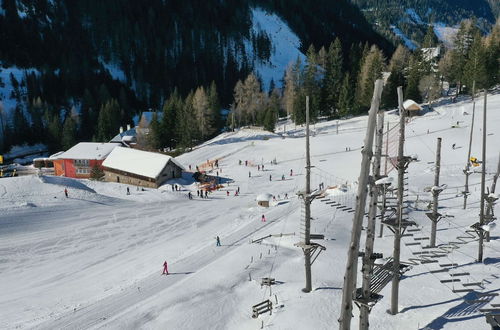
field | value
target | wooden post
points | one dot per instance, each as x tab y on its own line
483	184
489	207
307	231
397	234
435	194
349	288
370	228
386	149
467	166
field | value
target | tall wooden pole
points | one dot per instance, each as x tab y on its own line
489	206
349	288
370	228
397	235
307	201
467	166
386	149
483	184
435	194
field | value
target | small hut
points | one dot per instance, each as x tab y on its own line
412	108
264	199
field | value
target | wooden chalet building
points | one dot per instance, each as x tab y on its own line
79	160
140	168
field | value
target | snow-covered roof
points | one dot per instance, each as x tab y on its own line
411	105
144	163
264	197
88	150
121	136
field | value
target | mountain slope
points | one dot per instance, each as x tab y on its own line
410	17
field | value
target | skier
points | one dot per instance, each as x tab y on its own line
270	177
258	167
453	146
263	218
165	268
227	193
263	167
190	196
218	241
206	193
128	191
198	193
283	177
249	174
238	189
66	192
286	196
190	167
291	172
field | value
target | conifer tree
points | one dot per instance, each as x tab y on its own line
371	70
346	97
475	66
68	133
414	75
171	112
333	78
202	112
398	65
214	109
311	85
187	128
154	136
430	39
108	122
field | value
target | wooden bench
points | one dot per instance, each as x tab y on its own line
261	308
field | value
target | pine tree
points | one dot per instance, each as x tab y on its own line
398	66
346	97
214	109
171	112
68	133
475	66
187	128
96	173
414	75
371	70
108	122
311	84
430	39
154	135
289	90
333	78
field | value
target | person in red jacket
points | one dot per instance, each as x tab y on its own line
263	218
165	268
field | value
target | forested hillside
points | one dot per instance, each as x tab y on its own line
84	54
412	16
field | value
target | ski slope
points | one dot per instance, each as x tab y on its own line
94	260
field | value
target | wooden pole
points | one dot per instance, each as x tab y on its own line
397	235
467	166
483	184
370	228
386	149
489	207
435	194
349	288
307	231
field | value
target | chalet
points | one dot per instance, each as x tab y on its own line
78	161
140	168
412	108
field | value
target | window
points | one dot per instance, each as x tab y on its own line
82	171
81	162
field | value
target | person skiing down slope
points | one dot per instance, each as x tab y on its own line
165	268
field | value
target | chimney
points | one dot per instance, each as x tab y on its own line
121	130
128	127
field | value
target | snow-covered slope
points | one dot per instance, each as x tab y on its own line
94	260
285	46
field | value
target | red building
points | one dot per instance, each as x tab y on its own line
78	161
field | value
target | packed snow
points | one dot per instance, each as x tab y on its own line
94	259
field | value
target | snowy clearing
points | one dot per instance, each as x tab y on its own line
94	260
